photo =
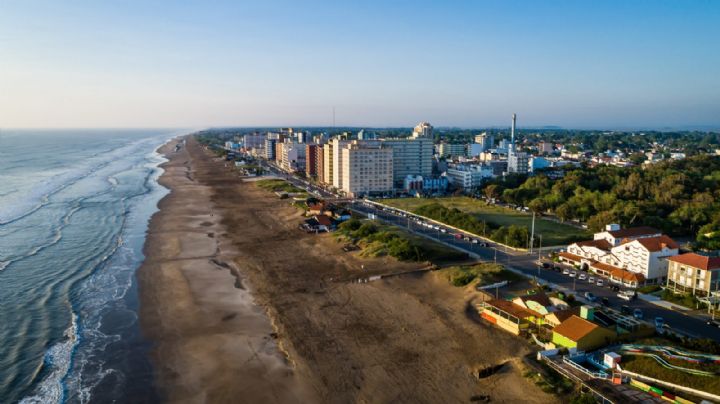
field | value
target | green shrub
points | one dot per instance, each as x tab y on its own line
649	289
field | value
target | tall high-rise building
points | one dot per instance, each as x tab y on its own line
293	156
337	166
423	130
366	169
320	162
410	157
254	141
327	177
311	163
270	148
451	150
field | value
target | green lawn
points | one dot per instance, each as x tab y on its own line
553	233
650	367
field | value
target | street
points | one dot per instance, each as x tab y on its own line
527	264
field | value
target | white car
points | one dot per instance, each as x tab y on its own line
573	274
591	280
566	271
600	282
582	277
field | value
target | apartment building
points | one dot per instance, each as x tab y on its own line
254	141
423	130
311	160
485	141
517	162
410	157
337	165
293	156
468	176
320	162
693	273
270	148
367	169
451	150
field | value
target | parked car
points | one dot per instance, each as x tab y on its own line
443	231
475	241
614	288
714	323
566	271
605	302
600	282
573	274
625	309
582	277
546	265
625	295
659	323
590	296
638	314
591	280
557	268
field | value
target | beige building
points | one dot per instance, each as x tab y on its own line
337	165
693	273
366	169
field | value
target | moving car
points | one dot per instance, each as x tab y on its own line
625	309
590	296
714	323
599	282
638	314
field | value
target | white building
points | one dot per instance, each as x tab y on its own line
517	162
410	157
293	157
336	165
423	130
254	141
629	256
474	149
451	150
468	176
366	169
485	141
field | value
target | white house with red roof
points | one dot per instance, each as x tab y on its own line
628	256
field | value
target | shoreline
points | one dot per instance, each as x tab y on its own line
242	307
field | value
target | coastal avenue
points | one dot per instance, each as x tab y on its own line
525	263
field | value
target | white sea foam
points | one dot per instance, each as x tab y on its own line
58	360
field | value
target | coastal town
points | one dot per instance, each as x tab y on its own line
627	313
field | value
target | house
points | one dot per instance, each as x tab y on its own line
618	275
693	273
539	303
581	332
319	223
507	315
554	318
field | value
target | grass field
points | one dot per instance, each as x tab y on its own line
553	233
649	367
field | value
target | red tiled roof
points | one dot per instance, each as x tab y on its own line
324	220
563	315
619	273
601	244
657	243
574	328
634	232
570	256
697	261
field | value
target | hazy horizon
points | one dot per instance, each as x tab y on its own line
605	66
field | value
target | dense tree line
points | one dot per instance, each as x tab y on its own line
680	197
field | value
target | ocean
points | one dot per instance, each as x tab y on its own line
74	210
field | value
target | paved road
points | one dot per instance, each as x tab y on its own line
527	264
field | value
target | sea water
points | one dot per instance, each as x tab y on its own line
74	210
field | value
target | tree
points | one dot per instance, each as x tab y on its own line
492	191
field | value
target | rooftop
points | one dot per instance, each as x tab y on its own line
575	328
654	244
697	261
634	232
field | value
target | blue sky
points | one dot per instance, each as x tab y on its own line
603	64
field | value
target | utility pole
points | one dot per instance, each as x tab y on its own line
540	248
532	233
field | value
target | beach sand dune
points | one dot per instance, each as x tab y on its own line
243	307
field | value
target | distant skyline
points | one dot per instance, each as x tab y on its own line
573	64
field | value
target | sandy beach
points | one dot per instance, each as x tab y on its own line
243	307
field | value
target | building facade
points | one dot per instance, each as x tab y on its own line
451	150
366	169
468	176
423	130
311	161
410	157
337	165
693	273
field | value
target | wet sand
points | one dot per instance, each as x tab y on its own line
244	307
